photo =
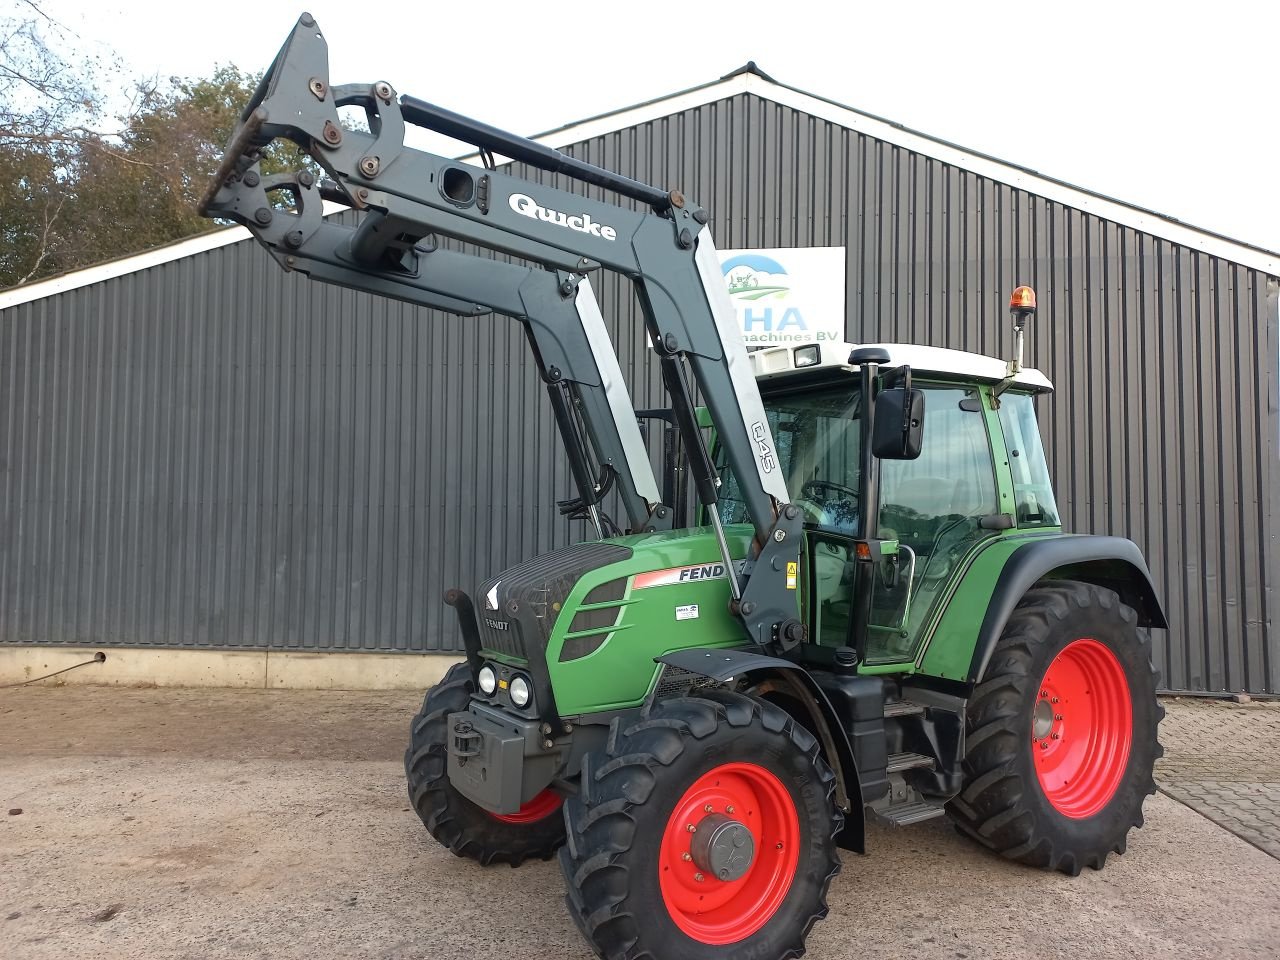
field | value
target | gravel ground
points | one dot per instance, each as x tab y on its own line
173	823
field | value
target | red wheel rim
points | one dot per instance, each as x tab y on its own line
711	910
539	808
1082	728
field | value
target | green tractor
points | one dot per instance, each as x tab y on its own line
873	614
966	659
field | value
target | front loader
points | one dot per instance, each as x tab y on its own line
866	620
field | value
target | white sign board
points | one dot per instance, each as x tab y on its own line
793	295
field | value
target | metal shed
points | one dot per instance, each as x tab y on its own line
200	451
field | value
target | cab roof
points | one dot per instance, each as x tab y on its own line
772	363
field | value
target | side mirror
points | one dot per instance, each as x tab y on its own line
898	430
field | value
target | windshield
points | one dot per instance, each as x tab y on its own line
818	442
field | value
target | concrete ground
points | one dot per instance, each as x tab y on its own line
255	823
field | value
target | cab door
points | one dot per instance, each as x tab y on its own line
934	507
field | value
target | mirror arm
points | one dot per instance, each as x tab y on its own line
906	407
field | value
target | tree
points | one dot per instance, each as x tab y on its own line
72	194
43	98
46	109
142	191
30	208
78	187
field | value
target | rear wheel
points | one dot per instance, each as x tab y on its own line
704	830
1061	732
535	831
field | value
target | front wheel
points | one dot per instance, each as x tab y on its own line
535	831
705	830
1061	732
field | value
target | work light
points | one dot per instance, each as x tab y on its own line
488	680
808	356
519	691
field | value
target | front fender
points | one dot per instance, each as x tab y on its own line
729	664
1111	562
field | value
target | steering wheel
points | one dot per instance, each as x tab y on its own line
810	487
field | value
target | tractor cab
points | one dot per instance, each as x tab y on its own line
980	470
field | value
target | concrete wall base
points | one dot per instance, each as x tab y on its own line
270	669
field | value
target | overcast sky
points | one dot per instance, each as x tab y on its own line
1171	106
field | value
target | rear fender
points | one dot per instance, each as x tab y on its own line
1110	562
774	675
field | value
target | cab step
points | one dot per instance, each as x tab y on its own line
898	762
902	708
906	814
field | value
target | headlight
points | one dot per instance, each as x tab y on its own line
519	691
488	680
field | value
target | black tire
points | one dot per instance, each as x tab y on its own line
451	818
629	792
1003	805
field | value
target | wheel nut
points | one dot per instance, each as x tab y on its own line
706	808
1056	736
1057	716
691	828
686	857
1053	700
699	877
779	844
1044	744
729	809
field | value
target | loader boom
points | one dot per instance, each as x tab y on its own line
409	197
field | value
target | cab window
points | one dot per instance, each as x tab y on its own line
818	442
1034	505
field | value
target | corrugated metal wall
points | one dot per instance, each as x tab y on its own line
214	453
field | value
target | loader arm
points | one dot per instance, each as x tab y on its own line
409	197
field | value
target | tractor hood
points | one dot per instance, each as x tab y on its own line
570	614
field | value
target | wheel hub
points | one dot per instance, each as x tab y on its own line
729	853
1082	728
722	847
1042	720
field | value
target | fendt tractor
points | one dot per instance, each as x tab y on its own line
866	610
